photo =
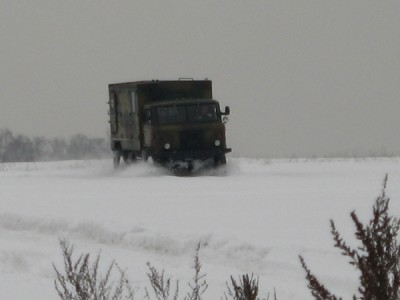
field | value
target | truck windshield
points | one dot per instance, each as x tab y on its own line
192	113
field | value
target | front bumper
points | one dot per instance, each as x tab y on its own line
189	155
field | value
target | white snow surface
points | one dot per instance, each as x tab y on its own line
257	216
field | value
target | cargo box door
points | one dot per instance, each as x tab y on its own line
113	112
134	121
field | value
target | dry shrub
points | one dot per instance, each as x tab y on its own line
377	258
81	279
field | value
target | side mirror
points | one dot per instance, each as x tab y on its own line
227	111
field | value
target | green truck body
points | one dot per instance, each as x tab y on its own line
171	121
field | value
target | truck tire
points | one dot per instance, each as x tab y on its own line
145	155
129	157
220	160
117	158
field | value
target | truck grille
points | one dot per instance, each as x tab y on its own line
191	140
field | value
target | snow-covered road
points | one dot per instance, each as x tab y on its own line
257	217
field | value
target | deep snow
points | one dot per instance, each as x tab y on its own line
256	217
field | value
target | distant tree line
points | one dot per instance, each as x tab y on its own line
20	148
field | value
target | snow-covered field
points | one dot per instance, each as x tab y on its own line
255	218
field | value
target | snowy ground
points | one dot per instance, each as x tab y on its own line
256	218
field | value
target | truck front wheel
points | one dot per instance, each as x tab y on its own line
220	160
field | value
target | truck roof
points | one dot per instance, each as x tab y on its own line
156	82
155	90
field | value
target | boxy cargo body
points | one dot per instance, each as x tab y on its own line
170	121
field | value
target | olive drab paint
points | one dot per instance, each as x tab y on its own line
172	121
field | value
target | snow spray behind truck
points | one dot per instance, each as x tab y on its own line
175	122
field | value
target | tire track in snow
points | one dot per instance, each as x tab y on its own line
214	250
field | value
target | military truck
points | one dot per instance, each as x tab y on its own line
175	122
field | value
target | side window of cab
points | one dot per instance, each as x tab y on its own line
147	116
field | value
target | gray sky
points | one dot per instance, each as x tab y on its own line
303	78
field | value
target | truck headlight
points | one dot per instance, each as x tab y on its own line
217	143
167	146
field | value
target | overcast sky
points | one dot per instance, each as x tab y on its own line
302	78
